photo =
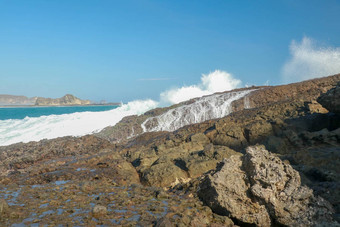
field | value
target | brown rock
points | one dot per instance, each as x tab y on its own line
164	222
278	185
3	207
225	192
164	174
65	100
258	186
331	99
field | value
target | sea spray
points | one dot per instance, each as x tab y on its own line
78	124
205	108
75	124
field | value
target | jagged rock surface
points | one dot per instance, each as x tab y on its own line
331	99
131	176
306	91
260	189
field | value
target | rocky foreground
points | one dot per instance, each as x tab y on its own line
273	162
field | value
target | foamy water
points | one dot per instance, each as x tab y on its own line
79	124
76	124
206	108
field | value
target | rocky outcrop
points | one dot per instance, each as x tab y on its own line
18	157
260	189
67	100
153	178
86	181
16	100
304	92
331	99
196	149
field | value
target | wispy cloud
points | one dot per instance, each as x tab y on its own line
308	60
155	79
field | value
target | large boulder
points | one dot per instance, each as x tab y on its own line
331	99
259	188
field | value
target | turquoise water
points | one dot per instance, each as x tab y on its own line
22	112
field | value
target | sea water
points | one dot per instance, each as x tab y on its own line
33	111
27	124
34	124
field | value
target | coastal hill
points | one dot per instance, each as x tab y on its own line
273	160
16	100
67	100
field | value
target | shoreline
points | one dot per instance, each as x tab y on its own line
31	106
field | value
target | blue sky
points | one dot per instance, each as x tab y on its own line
126	50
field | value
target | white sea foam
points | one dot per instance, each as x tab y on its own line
206	108
216	81
76	124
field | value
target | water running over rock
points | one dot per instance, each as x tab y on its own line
205	108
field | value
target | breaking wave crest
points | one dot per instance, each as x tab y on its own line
205	108
75	124
79	124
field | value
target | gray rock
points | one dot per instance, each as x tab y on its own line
258	187
99	210
225	192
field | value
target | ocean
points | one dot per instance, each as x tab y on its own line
22	112
25	124
33	124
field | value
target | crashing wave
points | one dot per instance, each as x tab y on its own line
205	108
75	124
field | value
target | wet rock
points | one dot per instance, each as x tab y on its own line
258	188
331	99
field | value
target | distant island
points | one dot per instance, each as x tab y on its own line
66	100
9	100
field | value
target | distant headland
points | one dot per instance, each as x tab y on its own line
66	100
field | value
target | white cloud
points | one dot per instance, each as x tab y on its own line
216	81
309	61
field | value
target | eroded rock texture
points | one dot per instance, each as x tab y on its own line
258	188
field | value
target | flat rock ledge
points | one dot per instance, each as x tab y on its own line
260	189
